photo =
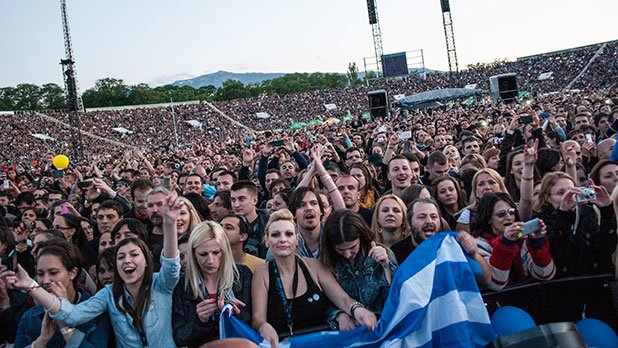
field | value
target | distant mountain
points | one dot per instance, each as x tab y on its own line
216	79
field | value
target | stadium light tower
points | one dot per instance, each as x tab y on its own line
376	32
71	87
447	20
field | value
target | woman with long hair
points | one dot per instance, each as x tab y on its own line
291	292
212	280
512	258
139	301
581	241
363	268
389	223
450	198
369	194
188	218
58	267
484	181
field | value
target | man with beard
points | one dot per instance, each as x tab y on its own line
425	221
154	203
221	205
306	206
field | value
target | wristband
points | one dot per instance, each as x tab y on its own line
66	330
352	307
527	177
32	287
333	190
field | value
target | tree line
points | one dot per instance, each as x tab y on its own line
114	92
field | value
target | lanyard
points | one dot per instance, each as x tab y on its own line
287	306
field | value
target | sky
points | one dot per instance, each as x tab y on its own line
160	41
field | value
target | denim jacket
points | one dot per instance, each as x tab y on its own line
92	333
365	281
158	319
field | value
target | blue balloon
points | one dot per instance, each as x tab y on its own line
509	320
597	334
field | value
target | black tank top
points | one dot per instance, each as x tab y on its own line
308	310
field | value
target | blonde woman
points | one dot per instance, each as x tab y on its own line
484	181
291	292
453	157
389	223
188	218
212	280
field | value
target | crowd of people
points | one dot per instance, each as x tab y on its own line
144	242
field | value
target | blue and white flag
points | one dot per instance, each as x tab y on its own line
433	302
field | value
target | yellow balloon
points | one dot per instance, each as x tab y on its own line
61	161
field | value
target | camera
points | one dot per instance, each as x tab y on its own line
84	184
587	195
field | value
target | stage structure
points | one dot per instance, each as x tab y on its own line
71	87
376	32
397	64
449	34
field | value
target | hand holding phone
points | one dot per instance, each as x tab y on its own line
530	226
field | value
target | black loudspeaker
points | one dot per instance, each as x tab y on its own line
371	8
508	87
503	87
378	103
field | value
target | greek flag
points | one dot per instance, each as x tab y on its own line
433	302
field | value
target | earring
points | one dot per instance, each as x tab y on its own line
380	230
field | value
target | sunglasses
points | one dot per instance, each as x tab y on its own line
502	212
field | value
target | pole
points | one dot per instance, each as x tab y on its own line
174	119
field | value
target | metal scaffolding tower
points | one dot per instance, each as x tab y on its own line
376	32
71	87
449	34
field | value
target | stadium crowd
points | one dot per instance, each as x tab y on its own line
144	244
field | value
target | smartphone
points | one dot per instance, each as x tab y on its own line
589	138
525	119
530	226
382	129
84	184
544	115
405	135
276	143
10	261
57	173
165	182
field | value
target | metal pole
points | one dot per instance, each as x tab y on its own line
174	119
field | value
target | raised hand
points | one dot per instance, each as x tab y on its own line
170	210
530	153
248	155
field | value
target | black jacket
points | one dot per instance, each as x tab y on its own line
589	250
189	330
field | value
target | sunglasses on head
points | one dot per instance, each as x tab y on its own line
502	212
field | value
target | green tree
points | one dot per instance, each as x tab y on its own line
7	98
53	97
232	89
106	92
27	96
143	94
